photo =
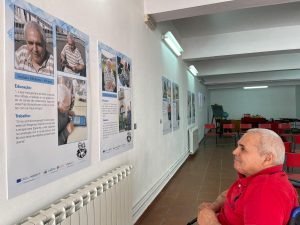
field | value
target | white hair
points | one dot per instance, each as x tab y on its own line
35	26
270	142
63	94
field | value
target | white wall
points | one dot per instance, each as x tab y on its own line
155	157
273	102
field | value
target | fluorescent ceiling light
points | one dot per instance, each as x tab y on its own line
193	70
172	43
255	87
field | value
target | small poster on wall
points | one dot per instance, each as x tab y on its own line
46	97
193	108
189	107
175	111
166	105
116	104
201	99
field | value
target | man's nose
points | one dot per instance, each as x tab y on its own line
235	151
34	47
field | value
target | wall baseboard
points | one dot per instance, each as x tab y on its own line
140	207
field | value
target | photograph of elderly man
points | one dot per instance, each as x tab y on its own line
33	52
109	76
65	126
70	53
71	110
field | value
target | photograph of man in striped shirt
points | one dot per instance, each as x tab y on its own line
33	56
71	58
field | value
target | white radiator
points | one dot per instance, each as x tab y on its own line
105	201
193	139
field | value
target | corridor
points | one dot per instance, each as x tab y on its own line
201	178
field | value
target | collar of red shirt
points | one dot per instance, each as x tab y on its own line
246	180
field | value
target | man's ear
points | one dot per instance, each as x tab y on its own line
269	158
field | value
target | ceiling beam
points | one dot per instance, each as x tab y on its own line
267	76
178	9
271	40
236	65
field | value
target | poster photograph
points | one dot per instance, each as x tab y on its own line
74	107
116	102
123	72
33	48
108	70
166	105
70	56
46	107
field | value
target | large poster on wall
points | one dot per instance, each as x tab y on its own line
175	111
166	105
116	102
46	97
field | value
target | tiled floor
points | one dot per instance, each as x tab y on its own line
201	178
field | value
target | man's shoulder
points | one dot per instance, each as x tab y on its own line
271	182
77	53
22	57
267	178
49	60
267	189
65	47
51	57
22	50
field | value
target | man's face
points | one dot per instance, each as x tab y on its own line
71	42
247	159
108	65
36	46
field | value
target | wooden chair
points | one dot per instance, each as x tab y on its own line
244	127
293	162
228	131
210	130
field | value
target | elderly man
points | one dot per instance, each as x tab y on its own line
109	77
65	126
262	194
71	59
33	56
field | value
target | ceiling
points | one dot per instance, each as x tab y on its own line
236	43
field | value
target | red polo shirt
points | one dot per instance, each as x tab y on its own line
265	198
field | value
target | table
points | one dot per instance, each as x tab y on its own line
253	121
